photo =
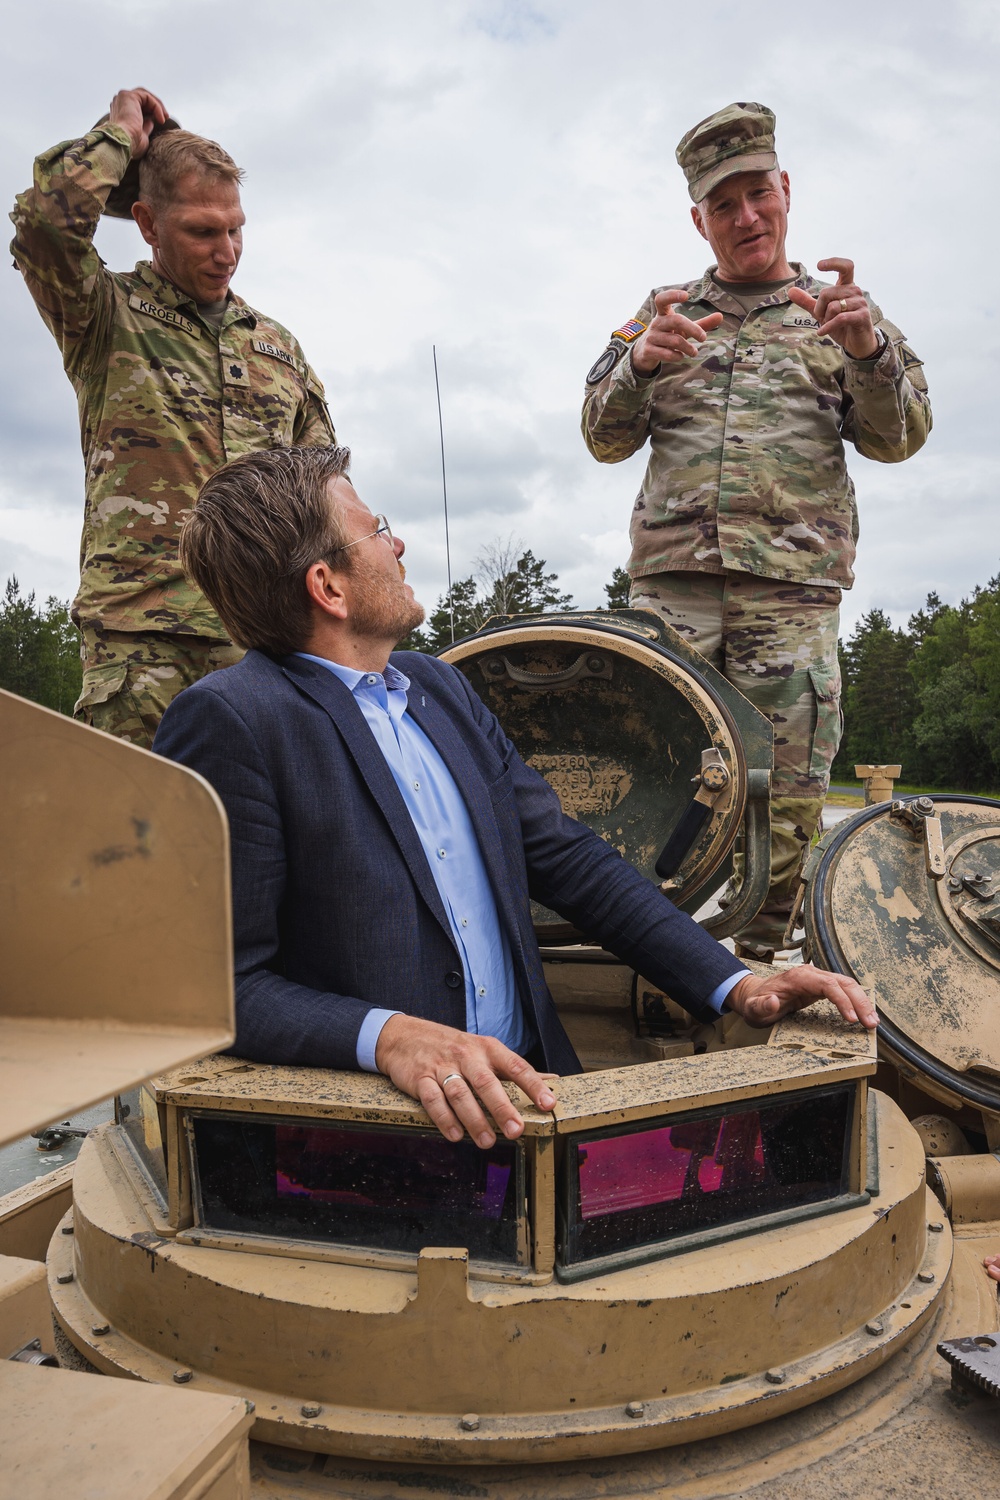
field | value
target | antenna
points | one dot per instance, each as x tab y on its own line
444	487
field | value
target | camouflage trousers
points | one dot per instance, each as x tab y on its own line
129	679
777	643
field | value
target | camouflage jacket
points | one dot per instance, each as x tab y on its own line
746	468
165	398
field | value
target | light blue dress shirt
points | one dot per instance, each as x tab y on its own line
444	828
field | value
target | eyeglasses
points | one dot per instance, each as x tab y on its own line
382	529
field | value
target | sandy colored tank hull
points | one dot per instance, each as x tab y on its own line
397	1363
769	1361
900	1431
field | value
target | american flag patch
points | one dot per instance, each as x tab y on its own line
630	331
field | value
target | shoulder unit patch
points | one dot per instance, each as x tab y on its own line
605	364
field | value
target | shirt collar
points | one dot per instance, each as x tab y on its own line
709	290
393	680
171	296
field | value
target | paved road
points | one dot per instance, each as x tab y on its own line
833	815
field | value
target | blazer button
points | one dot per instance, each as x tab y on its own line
453	980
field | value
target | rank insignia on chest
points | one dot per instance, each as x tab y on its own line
168	316
630	331
274	351
233	366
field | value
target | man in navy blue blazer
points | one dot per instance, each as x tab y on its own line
386	836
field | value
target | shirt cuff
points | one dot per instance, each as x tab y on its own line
715	1001
371	1030
116	133
639	382
870	374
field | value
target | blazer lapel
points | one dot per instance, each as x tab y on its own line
337	701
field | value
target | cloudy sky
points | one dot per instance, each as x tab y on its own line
496	177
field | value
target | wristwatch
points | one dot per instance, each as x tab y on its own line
883	344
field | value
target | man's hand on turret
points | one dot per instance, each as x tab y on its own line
457	1076
762	1000
841	311
139	112
670	336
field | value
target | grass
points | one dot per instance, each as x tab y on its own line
843	795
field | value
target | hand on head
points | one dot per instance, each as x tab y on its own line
670	336
841	311
456	1077
139	112
763	1000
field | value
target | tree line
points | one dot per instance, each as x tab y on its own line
506	581
39	650
927	695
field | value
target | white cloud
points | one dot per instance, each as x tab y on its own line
497	177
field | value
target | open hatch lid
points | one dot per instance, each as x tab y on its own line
905	896
617	713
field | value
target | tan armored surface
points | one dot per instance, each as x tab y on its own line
716	1269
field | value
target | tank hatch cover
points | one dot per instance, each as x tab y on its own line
905	896
624	721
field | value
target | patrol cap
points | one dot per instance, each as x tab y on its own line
739	138
122	197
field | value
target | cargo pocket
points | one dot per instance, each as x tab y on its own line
825	679
99	685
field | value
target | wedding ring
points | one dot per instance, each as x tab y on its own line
450	1076
843	304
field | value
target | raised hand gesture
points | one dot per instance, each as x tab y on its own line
670	336
842	310
139	112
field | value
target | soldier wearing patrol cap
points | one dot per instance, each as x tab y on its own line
747	383
175	375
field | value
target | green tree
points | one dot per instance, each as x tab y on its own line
929	696
459	606
949	750
984	644
617	590
505	583
62	668
923	622
878	699
948	740
39	650
524	589
942	639
20	643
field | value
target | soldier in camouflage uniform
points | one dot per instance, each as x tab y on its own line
175	375
744	530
